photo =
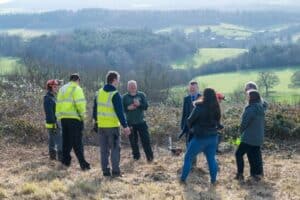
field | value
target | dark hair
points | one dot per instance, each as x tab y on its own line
209	100
75	77
111	76
254	96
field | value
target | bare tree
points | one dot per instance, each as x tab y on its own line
295	80
267	80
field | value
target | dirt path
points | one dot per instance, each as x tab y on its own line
26	173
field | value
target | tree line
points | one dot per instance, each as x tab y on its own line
258	57
102	18
136	54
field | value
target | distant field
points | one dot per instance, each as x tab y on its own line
226	30
27	33
228	82
207	55
8	65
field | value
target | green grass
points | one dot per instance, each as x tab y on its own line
9	65
228	82
207	55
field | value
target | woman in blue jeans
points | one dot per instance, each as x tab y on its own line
203	123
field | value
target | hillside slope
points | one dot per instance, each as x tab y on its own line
26	173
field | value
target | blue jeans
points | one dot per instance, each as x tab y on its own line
208	145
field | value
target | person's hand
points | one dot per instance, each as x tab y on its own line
136	102
127	131
131	107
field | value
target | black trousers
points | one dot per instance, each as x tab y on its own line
254	158
72	139
140	130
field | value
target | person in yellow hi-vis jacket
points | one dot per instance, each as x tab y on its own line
108	113
71	110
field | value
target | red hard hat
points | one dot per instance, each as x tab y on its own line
220	96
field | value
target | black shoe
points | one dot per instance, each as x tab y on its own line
116	174
239	177
86	166
256	177
106	174
136	158
60	156
150	160
52	155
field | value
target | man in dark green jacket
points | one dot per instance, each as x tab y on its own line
135	103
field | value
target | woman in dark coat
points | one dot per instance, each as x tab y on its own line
252	130
203	123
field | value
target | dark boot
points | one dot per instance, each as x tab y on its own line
60	156
239	177
52	154
85	166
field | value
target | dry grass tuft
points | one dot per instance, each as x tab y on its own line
2	193
58	186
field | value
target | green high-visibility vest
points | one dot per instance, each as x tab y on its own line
71	103
106	115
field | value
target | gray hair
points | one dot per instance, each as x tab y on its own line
131	82
250	86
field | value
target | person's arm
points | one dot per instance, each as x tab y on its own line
265	104
118	106
183	117
80	102
194	116
125	104
144	103
95	108
49	107
247	118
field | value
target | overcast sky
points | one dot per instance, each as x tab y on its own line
45	5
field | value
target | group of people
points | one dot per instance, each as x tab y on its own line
201	121
65	110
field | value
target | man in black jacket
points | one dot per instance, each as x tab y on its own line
54	131
188	106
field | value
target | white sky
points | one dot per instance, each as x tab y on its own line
43	5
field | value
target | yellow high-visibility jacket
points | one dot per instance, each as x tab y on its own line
71	103
106	115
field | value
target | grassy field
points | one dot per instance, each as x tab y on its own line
207	55
226	30
9	65
228	82
27	173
